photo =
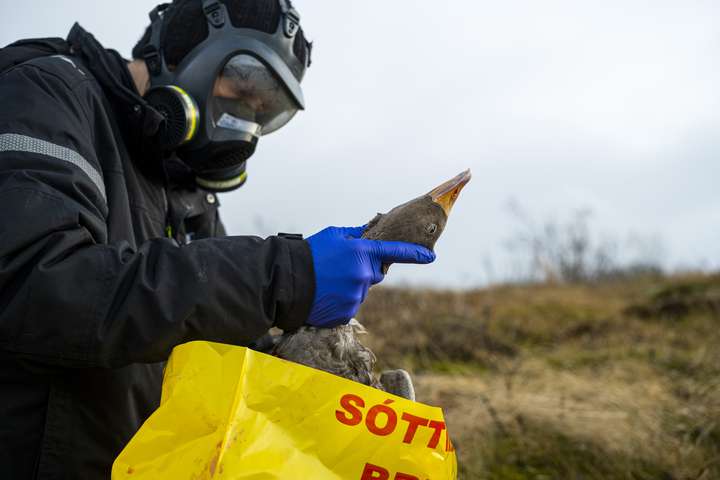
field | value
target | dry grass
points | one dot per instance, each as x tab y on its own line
611	381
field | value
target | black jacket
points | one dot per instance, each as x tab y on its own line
93	293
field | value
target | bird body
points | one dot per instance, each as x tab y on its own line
338	350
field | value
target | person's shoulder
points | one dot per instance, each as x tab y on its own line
68	69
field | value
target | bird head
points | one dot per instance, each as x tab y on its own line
421	220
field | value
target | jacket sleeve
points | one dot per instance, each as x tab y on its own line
70	299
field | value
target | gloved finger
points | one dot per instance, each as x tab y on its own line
403	252
363	296
353	232
377	273
353	313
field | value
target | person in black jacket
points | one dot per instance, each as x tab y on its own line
111	248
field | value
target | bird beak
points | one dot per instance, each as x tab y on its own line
446	194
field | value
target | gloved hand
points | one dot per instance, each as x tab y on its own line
345	268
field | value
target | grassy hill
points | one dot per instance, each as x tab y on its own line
608	381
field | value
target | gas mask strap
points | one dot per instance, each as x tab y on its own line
291	18
214	12
151	52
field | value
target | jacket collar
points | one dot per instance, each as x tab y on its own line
137	119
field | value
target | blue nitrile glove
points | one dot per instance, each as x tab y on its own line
345	268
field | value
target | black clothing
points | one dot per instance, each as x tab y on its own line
93	293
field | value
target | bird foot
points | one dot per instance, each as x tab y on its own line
398	382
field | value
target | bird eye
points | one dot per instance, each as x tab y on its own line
431	228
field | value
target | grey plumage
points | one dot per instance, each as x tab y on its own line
398	382
420	219
334	350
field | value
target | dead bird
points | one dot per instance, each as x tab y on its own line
338	350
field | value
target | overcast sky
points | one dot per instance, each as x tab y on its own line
559	105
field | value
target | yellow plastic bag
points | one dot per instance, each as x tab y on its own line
229	412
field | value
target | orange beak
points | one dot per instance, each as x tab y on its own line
446	194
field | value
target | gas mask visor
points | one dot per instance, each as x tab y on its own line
250	99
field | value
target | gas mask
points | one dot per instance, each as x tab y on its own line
231	89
